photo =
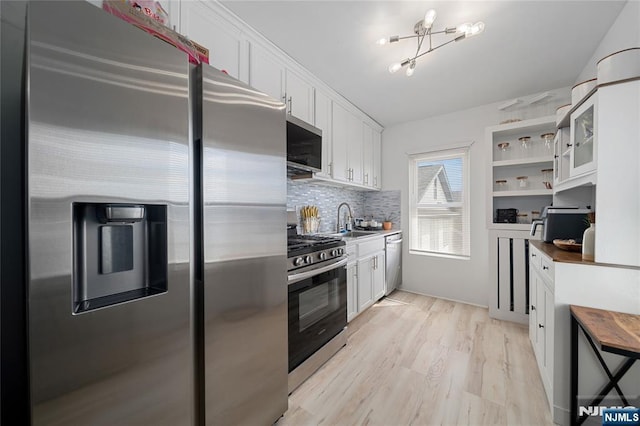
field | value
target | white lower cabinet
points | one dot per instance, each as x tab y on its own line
352	290
553	286
541	317
365	275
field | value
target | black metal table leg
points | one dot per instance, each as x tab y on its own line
574	371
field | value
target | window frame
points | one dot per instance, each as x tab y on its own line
462	152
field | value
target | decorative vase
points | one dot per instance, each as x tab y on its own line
386	225
588	242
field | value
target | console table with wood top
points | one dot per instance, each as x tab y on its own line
605	331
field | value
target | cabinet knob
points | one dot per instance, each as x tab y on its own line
545	268
533	308
569	145
533	255
540	326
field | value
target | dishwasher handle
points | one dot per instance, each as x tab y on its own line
395	241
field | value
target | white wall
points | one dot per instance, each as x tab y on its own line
623	34
463	280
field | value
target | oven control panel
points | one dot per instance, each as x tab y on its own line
315	257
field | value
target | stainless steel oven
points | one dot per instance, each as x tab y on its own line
317	306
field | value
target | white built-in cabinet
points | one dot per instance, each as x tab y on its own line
298	95
269	74
266	71
347	162
557	280
371	157
599	147
323	119
377	160
352	290
617	238
228	48
348	134
583	138
365	274
541	316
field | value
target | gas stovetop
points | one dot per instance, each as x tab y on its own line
307	250
318	242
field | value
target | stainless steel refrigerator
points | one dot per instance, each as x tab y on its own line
243	180
148	201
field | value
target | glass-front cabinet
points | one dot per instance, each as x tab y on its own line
582	144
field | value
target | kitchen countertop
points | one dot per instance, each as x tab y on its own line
563	256
374	234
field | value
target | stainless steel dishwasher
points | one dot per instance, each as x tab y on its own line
393	248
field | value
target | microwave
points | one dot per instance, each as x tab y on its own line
304	145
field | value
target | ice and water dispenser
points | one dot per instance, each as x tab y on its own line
120	253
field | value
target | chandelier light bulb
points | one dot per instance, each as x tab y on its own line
395	67
476	29
465	28
382	41
411	68
429	18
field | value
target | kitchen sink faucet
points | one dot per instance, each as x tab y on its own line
349	218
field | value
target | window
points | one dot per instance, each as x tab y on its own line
439	203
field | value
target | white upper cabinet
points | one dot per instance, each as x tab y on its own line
367	155
618	188
323	122
299	97
347	146
227	49
584	137
340	136
355	149
377	160
266	72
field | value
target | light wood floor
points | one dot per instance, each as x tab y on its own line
416	360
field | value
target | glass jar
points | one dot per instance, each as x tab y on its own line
523	218
547	148
523	182
525	146
503	151
547	178
501	185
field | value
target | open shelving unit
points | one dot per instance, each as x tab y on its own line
513	162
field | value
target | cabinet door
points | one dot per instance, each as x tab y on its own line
540	330
378	276
355	149
299	97
352	291
584	137
365	283
323	122
202	25
549	311
266	73
377	160
367	154
340	138
533	305
618	189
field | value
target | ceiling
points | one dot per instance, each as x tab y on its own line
527	47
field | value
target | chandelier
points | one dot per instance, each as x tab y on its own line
423	30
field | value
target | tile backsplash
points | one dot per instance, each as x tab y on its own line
376	204
382	205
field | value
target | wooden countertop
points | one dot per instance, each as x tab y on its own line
612	331
559	255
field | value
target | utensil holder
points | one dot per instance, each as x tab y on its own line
310	225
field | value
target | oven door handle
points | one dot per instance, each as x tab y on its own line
291	279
